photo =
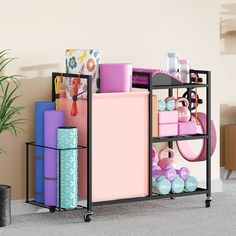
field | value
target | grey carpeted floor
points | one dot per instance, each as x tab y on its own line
182	216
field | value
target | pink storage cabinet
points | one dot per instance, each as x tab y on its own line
119	144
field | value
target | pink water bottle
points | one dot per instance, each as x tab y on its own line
184	70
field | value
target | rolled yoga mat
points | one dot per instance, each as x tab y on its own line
67	137
115	77
52	121
40	107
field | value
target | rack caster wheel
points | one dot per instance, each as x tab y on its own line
52	209
208	202
172	198
88	216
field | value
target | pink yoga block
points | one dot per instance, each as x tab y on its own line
167	130
187	128
167	117
120	145
115	78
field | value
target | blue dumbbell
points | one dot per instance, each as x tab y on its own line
190	184
163	185
177	185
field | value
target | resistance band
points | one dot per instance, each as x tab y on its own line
57	84
75	87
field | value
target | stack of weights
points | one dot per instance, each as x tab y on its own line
168	178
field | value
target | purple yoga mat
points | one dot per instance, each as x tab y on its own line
52	120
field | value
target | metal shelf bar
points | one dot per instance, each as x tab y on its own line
179	138
153	197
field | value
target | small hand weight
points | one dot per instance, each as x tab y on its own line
161	105
177	185
169	173
163	185
183	111
166	162
190	184
170	103
183	173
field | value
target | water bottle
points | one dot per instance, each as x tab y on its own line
172	63
184	70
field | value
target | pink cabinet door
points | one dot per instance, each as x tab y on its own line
120	144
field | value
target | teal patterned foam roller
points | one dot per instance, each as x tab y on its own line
67	137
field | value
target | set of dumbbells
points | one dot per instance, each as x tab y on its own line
168	178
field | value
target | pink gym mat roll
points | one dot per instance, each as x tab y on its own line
115	77
52	121
185	147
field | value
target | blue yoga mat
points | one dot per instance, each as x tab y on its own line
40	107
67	137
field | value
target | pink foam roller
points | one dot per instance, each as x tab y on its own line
187	128
167	117
115	78
168	130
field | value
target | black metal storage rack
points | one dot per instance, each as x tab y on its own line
153	84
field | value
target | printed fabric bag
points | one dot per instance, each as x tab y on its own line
82	61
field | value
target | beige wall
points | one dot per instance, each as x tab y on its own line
140	32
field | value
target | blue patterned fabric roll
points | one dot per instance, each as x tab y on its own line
67	137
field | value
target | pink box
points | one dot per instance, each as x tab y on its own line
187	128
120	144
168	130
167	117
115	78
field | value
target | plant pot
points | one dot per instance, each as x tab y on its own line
5	205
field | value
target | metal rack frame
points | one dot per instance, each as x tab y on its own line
170	140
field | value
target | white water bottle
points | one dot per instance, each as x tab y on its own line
172	63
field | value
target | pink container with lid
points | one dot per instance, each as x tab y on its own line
168	130
115	77
167	117
187	128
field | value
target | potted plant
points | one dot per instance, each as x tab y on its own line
9	122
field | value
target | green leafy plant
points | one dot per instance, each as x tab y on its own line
9	113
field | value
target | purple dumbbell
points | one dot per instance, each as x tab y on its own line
182	172
169	173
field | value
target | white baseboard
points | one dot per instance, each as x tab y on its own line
216	185
19	207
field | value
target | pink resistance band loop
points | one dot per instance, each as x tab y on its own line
169	150
185	147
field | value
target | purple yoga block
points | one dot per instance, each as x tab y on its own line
115	77
52	121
